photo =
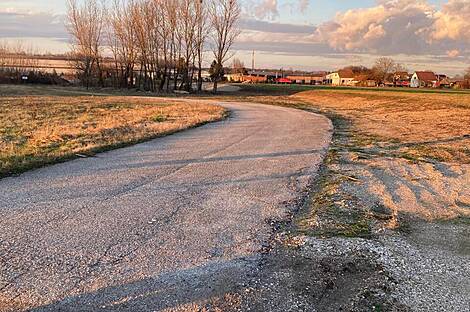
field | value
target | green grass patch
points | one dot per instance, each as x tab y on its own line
159	118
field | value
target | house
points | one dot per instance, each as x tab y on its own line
268	76
443	81
401	76
307	79
459	83
401	79
423	79
343	77
254	79
234	77
251	77
363	80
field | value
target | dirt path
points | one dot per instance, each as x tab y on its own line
167	224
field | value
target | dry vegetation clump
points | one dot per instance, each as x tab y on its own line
38	130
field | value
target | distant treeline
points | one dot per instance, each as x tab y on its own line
20	65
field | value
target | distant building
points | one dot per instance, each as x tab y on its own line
343	77
254	79
363	80
423	79
269	76
460	83
307	79
401	76
235	77
442	81
401	79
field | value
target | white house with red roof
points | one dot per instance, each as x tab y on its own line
423	79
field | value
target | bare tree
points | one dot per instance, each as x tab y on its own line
238	66
16	60
383	68
122	18
202	31
85	24
154	44
224	17
400	68
188	21
467	73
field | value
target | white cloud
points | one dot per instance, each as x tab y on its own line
303	5
269	9
390	27
453	22
453	53
265	9
20	23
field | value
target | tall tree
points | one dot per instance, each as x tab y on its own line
467	73
85	24
122	20
202	31
238	66
224	17
383	68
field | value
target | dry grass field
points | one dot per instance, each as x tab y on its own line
411	124
42	129
424	125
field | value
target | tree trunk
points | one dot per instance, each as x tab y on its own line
215	87
199	79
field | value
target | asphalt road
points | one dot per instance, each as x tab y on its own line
159	225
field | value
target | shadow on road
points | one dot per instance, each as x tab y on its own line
184	289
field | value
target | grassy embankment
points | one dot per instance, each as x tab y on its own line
40	126
388	136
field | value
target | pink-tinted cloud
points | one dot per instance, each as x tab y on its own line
390	27
453	22
453	53
303	5
266	9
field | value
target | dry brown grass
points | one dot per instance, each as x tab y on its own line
427	125
38	130
433	125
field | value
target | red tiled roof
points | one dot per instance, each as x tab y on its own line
346	73
426	76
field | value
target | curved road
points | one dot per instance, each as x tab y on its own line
159	225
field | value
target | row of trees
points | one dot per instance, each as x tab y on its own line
156	45
15	57
20	64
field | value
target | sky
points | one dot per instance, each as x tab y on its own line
302	34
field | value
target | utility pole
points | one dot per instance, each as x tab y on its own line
253	62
